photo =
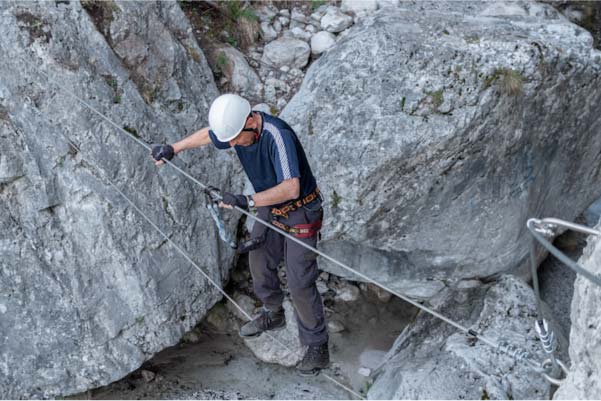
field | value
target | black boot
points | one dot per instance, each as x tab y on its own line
266	320
316	358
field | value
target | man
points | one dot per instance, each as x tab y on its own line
286	194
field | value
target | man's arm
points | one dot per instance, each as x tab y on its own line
197	139
284	191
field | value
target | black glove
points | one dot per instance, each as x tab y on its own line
235	200
163	152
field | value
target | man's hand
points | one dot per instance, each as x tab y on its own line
230	200
160	152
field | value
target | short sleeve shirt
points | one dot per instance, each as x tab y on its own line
277	156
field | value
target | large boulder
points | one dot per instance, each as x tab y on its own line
432	360
436	129
583	381
88	289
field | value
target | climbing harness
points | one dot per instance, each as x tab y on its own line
540	229
212	205
502	347
299	230
283	211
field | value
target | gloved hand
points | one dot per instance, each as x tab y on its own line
230	199
162	152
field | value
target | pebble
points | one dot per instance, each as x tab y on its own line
334	326
363	371
348	293
147	375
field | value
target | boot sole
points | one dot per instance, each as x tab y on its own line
261	332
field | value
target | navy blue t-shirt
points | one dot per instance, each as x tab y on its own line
277	156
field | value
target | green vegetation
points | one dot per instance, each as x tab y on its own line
232	41
274	111
140	320
403	104
34	25
335	199
221	62
236	10
315	4
436	98
509	82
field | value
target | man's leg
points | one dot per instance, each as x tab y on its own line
302	272
264	265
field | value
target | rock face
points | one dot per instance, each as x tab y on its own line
583	381
88	289
432	360
436	129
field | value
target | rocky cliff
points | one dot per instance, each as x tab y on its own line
88	290
436	129
585	345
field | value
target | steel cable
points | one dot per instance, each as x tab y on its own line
500	347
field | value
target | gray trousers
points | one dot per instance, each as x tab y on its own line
301	272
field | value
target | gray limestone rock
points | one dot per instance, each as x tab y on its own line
88	289
433	360
286	51
434	132
322	41
268	32
583	381
241	76
335	21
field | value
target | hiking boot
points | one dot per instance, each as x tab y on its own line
266	320
316	358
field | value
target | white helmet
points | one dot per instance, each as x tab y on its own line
228	115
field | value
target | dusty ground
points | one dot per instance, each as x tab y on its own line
220	366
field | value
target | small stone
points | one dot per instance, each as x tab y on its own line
359	6
284	21
348	293
147	375
382	295
268	32
324	276
277	26
335	21
284	68
245	302
322	288
300	33
284	12
322	41
363	371
191	337
281	103
310	28
295	72
334	326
